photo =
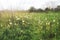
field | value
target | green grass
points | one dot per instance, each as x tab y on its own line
29	26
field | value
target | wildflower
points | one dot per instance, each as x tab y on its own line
10	23
18	19
41	27
23	21
41	39
28	23
21	30
8	26
26	16
57	22
1	25
16	16
15	24
39	21
53	20
48	23
45	18
9	20
55	33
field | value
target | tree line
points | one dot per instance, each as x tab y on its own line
32	9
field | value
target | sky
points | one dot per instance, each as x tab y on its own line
26	4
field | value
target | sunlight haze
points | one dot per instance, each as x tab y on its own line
26	4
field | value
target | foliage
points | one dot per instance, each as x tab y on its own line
30	27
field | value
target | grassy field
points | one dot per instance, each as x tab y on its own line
29	26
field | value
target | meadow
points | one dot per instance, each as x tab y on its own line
29	26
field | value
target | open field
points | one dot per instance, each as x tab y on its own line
29	26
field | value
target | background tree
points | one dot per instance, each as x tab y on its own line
39	10
57	9
47	9
32	9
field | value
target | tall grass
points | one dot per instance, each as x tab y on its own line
33	26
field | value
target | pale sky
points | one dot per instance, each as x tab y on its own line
26	4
